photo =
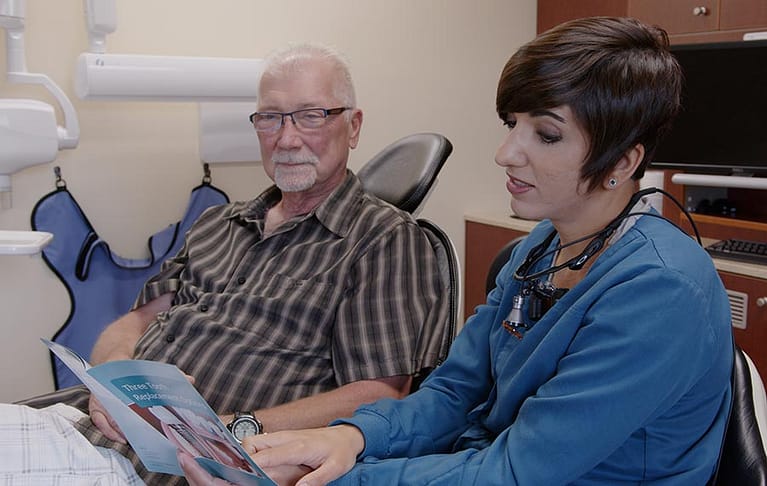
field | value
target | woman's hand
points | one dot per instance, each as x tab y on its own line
104	422
197	476
287	456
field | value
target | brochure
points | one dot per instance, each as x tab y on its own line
159	412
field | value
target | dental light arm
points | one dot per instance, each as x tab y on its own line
29	134
101	17
130	77
12	19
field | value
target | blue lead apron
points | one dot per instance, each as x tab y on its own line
102	285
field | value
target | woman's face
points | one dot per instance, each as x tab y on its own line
543	154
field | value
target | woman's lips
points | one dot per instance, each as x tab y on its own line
517	186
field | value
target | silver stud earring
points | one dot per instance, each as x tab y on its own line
612	182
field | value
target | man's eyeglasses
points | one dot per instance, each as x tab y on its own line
271	121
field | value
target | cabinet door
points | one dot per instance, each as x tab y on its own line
483	242
753	339
743	14
554	12
677	16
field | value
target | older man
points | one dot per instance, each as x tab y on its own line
293	308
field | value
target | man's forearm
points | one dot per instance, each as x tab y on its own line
119	338
321	409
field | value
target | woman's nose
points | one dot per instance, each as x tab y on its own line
509	152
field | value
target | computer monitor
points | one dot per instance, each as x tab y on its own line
722	127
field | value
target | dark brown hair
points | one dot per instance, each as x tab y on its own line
616	74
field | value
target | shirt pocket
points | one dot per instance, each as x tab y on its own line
292	313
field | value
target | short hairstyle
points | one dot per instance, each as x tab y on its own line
295	55
616	75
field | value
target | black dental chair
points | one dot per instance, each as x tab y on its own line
742	460
440	336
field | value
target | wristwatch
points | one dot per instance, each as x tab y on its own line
244	424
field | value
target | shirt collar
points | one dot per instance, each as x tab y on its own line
336	213
642	206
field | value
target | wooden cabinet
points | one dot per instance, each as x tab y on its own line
485	235
483	242
690	21
686	21
742	14
678	16
554	12
753	339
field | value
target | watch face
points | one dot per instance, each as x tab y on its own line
244	427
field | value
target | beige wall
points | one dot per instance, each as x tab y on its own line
419	65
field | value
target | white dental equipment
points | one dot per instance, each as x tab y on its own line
225	88
29	134
166	78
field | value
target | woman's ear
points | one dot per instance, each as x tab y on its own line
626	166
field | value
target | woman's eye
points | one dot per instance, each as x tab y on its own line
549	138
509	123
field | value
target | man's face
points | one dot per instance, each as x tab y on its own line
299	159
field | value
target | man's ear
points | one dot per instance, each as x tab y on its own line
354	128
628	163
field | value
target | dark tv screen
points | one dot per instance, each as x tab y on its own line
722	128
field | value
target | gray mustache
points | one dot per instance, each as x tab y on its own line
294	158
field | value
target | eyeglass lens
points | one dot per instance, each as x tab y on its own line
309	118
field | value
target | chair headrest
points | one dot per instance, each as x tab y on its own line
403	172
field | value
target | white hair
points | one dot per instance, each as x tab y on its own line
294	56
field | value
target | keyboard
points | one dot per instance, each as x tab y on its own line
741	250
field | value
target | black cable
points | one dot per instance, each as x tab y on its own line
599	238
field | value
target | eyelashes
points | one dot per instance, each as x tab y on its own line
544	136
548	138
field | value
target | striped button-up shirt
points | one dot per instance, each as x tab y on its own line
331	297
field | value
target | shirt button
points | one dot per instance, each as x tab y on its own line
204	308
170	338
241	280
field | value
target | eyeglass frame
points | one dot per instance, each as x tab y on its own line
326	112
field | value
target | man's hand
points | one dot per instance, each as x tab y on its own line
195	474
104	422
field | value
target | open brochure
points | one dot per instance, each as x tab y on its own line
159	412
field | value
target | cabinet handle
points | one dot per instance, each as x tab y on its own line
700	11
761	301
